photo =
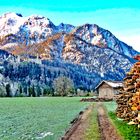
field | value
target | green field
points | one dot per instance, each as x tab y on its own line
37	118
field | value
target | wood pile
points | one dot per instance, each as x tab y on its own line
129	98
95	100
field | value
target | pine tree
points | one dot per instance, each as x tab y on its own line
8	90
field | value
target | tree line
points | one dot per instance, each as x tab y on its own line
62	86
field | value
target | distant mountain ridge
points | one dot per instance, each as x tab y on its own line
16	30
89	48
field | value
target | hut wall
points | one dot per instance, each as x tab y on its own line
105	91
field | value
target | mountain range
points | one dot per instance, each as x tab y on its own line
87	53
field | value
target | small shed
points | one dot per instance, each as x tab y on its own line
107	89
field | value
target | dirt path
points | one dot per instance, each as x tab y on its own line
80	125
108	132
78	129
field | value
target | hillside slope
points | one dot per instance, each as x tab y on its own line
87	54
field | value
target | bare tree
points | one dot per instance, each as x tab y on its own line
63	86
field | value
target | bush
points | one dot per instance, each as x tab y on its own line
21	95
48	91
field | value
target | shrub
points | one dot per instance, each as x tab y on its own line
48	91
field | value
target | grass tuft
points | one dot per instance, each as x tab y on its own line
92	132
128	132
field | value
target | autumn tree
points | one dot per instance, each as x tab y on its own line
63	86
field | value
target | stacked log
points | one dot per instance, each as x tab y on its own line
124	109
95	100
134	102
129	98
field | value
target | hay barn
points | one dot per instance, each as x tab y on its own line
107	89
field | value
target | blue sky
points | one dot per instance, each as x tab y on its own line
121	17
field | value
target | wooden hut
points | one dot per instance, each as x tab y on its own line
107	89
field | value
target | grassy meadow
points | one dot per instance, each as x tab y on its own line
37	118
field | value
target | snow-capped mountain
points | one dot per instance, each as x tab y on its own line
94	50
97	36
14	28
65	27
17	30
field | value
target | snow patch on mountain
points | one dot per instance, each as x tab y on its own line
65	28
10	23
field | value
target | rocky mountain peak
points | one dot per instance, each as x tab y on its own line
67	28
90	48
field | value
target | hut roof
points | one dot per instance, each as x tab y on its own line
114	84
